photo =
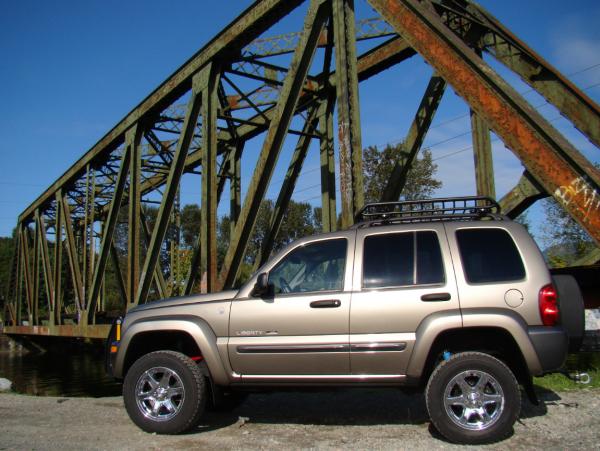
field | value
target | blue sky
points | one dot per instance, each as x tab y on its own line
71	70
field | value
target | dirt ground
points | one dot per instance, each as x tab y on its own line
344	419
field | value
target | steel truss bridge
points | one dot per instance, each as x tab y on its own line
246	84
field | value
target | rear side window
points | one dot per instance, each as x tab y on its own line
401	259
489	255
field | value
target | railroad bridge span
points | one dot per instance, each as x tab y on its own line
247	84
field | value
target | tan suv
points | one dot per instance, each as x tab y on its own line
443	294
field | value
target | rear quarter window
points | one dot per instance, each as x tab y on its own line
489	255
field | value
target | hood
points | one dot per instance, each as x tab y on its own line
183	300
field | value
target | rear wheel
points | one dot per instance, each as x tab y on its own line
473	398
165	392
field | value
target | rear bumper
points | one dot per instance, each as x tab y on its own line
551	345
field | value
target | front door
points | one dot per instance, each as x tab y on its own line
302	327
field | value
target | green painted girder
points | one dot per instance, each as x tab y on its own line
250	24
287	188
524	194
284	110
414	139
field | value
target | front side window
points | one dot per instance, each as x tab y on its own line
316	266
489	255
401	259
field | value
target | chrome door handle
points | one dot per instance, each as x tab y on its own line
434	297
327	303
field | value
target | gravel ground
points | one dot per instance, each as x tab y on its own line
356	419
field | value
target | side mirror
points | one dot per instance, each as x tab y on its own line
261	286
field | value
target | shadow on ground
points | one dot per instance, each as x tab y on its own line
345	407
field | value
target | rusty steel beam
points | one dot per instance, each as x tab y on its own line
482	154
349	133
559	167
208	222
98	331
515	54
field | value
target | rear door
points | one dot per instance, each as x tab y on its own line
400	278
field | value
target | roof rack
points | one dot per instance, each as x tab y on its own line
426	210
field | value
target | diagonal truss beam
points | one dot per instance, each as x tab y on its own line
559	167
72	254
284	110
110	225
166	205
46	267
414	140
287	188
523	195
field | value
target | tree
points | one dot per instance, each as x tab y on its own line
378	166
565	240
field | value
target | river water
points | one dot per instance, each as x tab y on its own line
69	373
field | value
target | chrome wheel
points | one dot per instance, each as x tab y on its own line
474	400
159	393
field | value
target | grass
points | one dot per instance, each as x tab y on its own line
584	362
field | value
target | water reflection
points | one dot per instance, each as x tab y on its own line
51	374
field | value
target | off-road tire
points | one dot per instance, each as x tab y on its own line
185	373
457	367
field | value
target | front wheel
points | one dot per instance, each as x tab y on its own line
473	398
165	392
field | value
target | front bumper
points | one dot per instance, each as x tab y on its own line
551	345
112	346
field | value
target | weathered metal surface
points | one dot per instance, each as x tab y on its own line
208	224
525	193
99	331
544	152
349	135
132	143
500	42
327	160
482	153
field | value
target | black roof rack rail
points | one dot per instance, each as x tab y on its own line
426	210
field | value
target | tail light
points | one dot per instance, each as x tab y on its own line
548	300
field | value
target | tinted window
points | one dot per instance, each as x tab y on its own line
389	260
430	268
489	255
315	267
